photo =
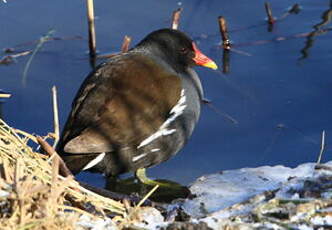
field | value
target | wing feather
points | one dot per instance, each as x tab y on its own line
120	104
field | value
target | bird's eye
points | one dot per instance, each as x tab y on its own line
184	50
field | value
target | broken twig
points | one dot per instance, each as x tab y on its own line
64	171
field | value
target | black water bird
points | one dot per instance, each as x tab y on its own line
136	110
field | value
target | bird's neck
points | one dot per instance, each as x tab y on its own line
162	57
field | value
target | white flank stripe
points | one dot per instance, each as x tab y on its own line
136	158
159	133
95	161
176	111
139	157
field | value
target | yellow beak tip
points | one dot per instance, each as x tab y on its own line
211	65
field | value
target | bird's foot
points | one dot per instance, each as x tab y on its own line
142	177
141	184
167	190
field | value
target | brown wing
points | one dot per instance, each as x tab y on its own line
120	104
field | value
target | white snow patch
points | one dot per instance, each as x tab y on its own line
100	224
4	193
216	192
176	111
95	161
304	227
329	209
320	220
267	226
327	195
148	218
219	191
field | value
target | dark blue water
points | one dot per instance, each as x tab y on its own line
280	97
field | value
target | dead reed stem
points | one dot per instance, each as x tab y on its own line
106	56
55	190
119	196
322	148
35	179
224	32
91	25
176	18
268	10
20	46
28	135
55	116
8	59
219	112
125	44
5	95
55	169
133	211
147	196
40	43
64	171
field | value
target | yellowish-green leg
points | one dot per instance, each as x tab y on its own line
141	176
167	191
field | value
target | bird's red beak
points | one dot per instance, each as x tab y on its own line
202	60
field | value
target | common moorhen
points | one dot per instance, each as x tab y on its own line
136	110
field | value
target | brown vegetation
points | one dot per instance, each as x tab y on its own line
34	196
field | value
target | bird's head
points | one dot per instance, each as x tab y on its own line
177	48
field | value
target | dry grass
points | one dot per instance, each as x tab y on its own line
34	196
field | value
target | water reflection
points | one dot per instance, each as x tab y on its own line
326	18
225	61
295	9
39	45
318	30
92	61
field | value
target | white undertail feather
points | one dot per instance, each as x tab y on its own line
163	130
95	161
